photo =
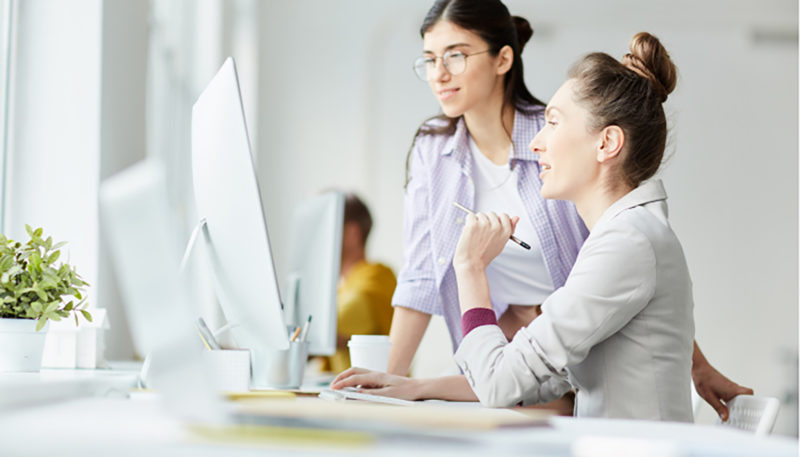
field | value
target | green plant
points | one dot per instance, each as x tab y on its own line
32	286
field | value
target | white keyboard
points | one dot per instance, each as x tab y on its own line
349	393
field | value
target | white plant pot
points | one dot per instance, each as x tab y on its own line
21	346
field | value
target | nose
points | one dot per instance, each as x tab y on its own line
537	145
439	71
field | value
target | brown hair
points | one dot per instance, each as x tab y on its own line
630	94
357	212
490	20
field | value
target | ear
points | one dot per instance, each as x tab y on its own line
351	234
612	139
505	59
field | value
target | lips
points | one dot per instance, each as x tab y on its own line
444	94
543	169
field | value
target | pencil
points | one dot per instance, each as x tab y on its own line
304	334
513	238
294	335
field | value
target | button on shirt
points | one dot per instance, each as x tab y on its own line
440	173
621	328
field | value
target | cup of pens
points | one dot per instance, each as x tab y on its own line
288	366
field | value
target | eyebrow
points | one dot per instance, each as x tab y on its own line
550	109
455	45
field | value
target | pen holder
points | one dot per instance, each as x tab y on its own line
229	369
287	367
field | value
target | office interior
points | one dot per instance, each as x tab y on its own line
331	101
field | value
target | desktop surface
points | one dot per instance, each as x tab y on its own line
124	426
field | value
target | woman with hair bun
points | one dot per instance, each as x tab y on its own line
476	154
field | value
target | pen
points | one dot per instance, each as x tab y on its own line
304	335
294	334
513	238
206	335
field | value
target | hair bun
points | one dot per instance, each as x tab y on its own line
524	30
649	58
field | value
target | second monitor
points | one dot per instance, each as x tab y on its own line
315	257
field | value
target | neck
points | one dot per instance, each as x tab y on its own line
491	129
592	203
350	259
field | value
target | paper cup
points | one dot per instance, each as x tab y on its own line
370	352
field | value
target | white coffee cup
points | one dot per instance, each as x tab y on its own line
370	351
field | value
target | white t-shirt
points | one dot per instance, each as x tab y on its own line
517	275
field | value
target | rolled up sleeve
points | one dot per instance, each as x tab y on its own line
416	282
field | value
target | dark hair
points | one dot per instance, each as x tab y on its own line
490	20
357	212
630	94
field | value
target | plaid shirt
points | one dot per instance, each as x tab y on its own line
441	173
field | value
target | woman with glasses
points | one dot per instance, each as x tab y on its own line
475	154
621	328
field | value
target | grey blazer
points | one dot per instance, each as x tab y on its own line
620	330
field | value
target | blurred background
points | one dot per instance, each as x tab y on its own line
90	87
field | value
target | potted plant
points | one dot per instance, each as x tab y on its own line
33	290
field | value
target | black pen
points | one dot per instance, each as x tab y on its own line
513	238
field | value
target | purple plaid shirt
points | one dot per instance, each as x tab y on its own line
441	173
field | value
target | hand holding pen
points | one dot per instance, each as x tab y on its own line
513	238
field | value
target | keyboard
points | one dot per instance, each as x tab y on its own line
349	393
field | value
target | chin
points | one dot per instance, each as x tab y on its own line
549	193
451	111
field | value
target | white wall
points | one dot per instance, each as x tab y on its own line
54	143
339	104
122	136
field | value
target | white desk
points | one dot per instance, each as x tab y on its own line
140	427
56	384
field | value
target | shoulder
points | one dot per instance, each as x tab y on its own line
623	240
433	134
375	270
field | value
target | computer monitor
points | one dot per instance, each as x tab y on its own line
235	232
315	257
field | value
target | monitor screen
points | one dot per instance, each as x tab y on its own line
315	258
228	199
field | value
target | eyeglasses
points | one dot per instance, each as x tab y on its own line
455	62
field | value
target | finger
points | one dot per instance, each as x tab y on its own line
482	218
505	222
742	390
347	373
470	220
716	403
370	379
495	221
514	221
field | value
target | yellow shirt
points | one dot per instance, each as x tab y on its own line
364	307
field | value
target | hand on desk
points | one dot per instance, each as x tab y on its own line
377	383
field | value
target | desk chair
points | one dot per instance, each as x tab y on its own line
754	414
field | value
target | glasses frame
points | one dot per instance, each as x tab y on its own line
445	58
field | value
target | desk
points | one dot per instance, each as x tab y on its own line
113	425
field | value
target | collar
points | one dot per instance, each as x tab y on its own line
525	127
647	192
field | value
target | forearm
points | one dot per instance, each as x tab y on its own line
698	358
473	287
452	388
408	327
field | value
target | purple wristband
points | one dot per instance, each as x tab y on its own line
476	317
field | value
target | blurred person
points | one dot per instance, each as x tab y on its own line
364	295
476	153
